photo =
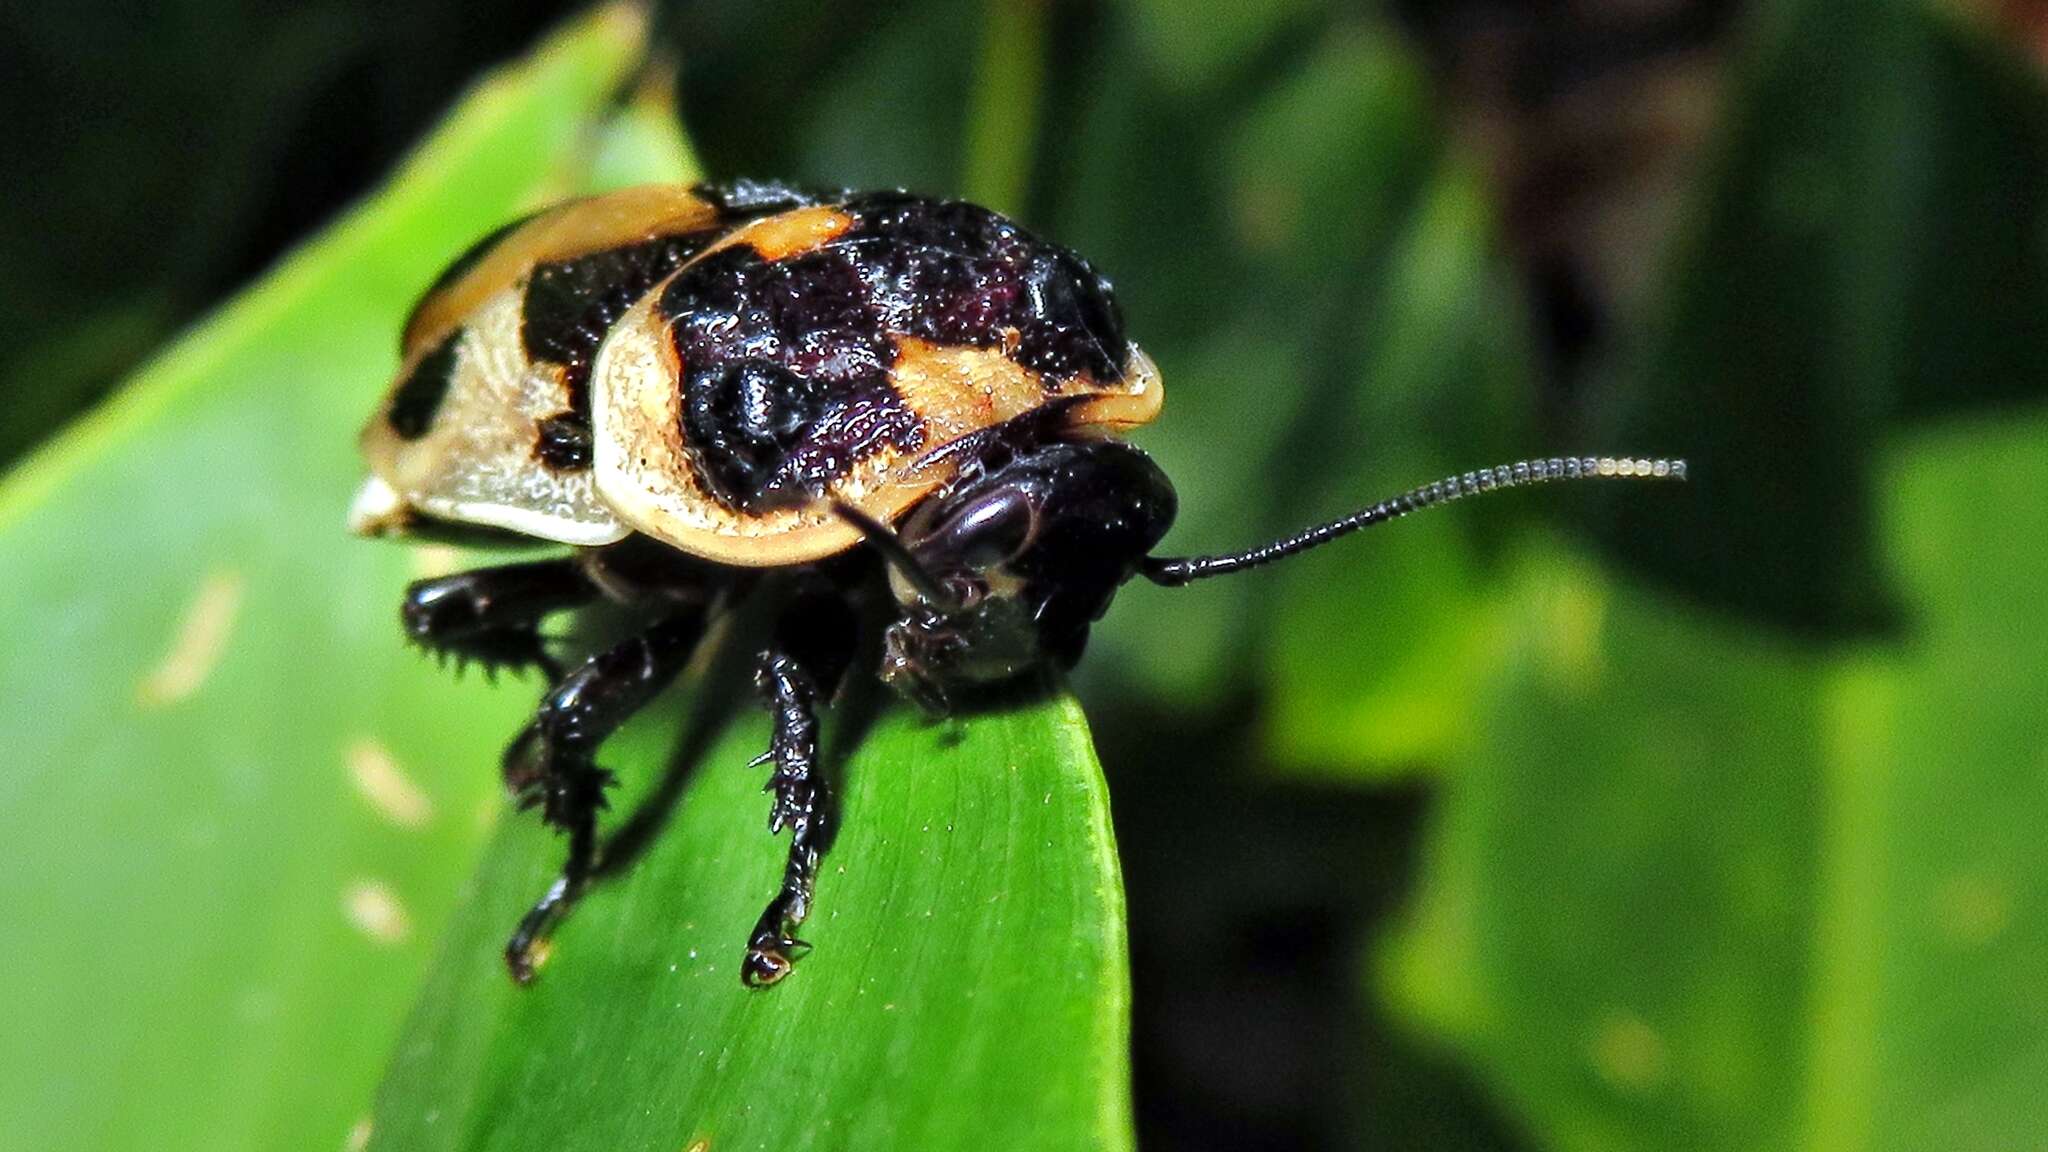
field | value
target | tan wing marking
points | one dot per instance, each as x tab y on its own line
788	234
574	229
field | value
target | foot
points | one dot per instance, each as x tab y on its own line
770	958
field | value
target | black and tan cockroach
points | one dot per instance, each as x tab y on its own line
891	408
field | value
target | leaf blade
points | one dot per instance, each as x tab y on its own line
1840	956
237	842
968	986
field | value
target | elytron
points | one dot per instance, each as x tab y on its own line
896	419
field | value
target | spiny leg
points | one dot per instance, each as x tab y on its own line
792	695
492	615
552	763
813	645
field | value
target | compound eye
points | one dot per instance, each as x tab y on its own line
989	530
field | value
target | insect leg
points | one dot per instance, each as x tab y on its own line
492	615
552	763
814	644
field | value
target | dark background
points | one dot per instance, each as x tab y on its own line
1778	238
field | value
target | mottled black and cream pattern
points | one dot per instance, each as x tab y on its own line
823	348
787	363
810	336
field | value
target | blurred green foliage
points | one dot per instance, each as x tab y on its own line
1701	888
1865	254
160	155
1710	809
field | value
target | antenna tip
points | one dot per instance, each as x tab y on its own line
1658	468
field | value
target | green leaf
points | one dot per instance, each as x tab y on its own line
1865	251
1614	924
1378	644
1254	293
968	987
1782	302
643	142
1002	134
1980	267
240	809
1192	46
1693	885
1814	883
1929	1022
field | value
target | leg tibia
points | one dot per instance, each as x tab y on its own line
812	649
552	763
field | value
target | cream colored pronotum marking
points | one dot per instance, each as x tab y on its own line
645	475
578	228
201	639
476	465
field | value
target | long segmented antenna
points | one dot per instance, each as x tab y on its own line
1174	571
883	539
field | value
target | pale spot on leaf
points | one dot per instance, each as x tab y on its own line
385	785
431	560
1629	1054
202	637
1574	618
1972	910
358	1136
376	912
258	1005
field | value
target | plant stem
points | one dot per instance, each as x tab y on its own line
1002	122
